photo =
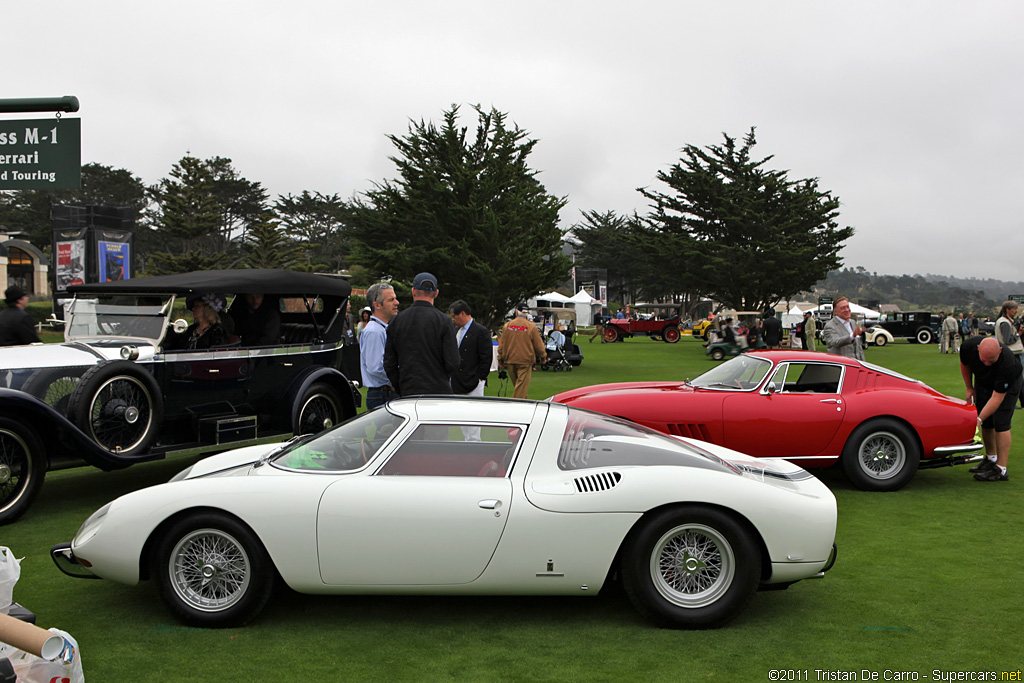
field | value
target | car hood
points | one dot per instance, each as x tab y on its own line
617	391
222	463
66	355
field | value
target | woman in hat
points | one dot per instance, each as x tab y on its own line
207	330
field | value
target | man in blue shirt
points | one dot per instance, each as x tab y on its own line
384	306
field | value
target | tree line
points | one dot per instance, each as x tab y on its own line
467	206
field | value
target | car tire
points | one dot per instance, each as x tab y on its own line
319	409
213	571
611	335
671	334
118	405
880	340
924	336
881	455
22	468
691	567
717	354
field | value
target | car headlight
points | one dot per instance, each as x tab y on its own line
181	475
91	525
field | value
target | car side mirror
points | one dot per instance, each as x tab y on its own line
179	326
772	388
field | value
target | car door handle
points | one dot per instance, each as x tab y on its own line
831	400
489	504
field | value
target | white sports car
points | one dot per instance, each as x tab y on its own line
468	496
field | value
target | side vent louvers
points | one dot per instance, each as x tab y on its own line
592	483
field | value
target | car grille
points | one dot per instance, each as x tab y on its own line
593	483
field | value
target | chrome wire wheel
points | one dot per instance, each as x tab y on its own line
121	414
209	570
882	455
692	565
319	412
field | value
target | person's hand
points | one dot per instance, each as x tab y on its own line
969	396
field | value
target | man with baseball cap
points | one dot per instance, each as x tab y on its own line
421	354
15	324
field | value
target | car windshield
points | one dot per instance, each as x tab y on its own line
142	317
593	440
742	372
348	446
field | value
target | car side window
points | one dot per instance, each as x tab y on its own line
455	450
808	378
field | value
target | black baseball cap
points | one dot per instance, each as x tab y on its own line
425	282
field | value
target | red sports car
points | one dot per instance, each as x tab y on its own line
810	408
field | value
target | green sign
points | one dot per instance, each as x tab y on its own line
41	154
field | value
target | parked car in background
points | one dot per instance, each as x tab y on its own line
811	408
660	322
921	327
113	395
549	500
877	336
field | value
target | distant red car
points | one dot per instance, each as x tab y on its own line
813	409
617	329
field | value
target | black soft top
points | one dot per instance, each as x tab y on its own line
241	281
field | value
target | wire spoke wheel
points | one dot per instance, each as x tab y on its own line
209	570
22	468
14	467
320	411
882	455
692	565
120	414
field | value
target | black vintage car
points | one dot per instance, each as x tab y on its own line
921	327
115	393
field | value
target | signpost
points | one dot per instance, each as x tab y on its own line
40	154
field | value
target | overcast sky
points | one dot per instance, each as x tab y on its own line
910	112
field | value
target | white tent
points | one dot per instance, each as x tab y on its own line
858	311
792	318
584	304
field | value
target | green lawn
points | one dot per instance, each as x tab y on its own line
927	578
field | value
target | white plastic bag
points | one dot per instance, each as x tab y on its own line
67	668
10	572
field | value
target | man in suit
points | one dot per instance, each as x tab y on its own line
841	334
475	356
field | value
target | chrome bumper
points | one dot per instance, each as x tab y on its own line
67	562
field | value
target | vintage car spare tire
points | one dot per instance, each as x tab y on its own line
691	567
119	406
22	468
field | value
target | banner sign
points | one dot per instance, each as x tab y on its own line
41	154
114	262
70	268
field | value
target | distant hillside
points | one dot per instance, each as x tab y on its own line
929	292
996	290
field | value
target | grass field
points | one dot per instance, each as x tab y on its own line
928	578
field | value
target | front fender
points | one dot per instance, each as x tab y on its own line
61	438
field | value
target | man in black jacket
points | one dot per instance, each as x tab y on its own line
15	324
476	352
420	355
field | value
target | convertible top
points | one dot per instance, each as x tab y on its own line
241	281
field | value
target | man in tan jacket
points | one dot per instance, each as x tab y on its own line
519	347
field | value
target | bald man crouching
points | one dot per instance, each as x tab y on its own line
992	375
